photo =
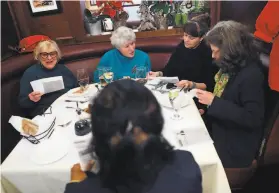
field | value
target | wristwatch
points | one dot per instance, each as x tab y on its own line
194	85
160	73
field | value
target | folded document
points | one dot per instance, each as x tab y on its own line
48	85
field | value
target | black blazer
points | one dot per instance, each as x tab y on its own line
236	118
181	176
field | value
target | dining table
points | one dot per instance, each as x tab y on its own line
45	167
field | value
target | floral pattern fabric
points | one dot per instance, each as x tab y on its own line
221	80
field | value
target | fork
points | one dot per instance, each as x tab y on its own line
66	124
77	101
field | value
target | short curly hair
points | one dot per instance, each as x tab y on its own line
121	36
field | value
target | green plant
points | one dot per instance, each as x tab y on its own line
165	7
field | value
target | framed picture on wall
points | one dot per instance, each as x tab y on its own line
44	7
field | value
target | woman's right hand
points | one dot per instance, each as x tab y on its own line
185	83
35	96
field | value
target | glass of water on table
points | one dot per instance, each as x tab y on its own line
106	75
83	79
140	74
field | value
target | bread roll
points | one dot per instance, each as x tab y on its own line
29	127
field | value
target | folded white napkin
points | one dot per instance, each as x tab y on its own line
44	123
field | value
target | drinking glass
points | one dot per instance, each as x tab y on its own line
83	78
105	75
140	72
176	98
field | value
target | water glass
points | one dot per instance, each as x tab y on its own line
176	100
82	78
141	72
105	75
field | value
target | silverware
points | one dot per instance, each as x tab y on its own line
66	124
71	107
182	88
50	133
160	91
97	86
77	101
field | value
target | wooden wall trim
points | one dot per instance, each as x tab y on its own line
215	9
14	20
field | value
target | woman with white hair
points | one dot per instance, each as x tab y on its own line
48	54
124	58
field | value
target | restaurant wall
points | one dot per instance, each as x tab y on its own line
8	31
245	12
64	25
68	27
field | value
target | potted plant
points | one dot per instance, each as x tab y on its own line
161	11
115	11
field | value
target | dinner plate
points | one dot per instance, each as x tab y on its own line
50	150
44	122
72	93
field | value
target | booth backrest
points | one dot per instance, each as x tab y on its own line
74	57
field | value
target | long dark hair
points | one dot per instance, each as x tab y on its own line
198	25
126	165
236	44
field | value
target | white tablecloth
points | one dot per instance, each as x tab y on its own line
29	177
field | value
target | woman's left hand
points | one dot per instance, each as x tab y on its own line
77	175
205	97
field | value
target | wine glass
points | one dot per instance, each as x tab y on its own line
83	78
176	98
140	72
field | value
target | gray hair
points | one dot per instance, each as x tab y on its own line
236	45
121	36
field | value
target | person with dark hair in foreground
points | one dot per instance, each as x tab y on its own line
236	107
134	157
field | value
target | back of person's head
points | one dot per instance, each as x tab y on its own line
127	123
235	43
198	25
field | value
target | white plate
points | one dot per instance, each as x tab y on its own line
49	151
72	94
64	117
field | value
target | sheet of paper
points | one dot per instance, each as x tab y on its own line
156	80
48	85
169	79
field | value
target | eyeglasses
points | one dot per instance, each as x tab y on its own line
45	55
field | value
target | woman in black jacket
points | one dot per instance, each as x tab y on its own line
133	156
191	61
236	107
